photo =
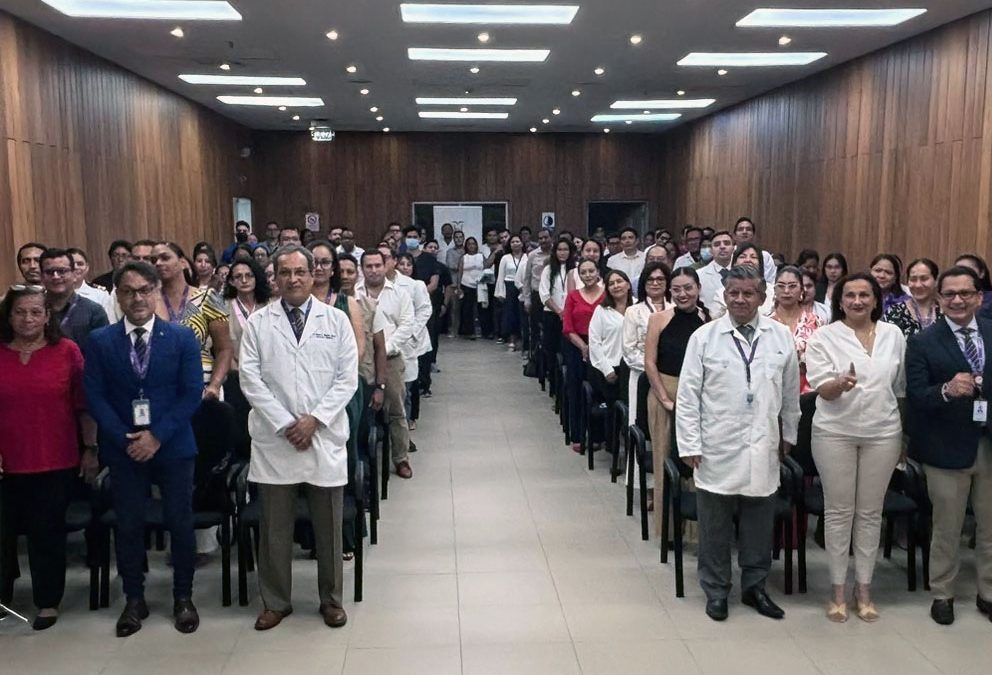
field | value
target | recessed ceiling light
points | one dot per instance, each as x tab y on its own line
750	58
244	80
636	39
483	37
828	17
628	121
296	118
258	90
556	111
454	115
463	109
654	117
784	41
545	121
385	130
379	118
177	32
332	35
721	71
374	109
352	69
291	101
488	14
225	66
533	130
474	70
681	92
193	10
282	108
576	92
463	100
606	131
663	103
600	70
441	54
363	92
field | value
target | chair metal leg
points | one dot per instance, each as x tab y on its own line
789	526
665	515
385	463
803	524
910	554
889	536
615	434
631	452
925	555
679	579
642	480
105	568
244	555
94	587
359	556
225	562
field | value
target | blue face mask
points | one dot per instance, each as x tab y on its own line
412	244
706	254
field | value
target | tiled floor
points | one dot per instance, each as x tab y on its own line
505	555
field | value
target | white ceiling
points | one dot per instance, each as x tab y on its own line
287	37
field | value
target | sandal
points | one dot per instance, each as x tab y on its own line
867	612
837	612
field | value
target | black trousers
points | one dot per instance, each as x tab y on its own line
487	314
534	321
34	505
551	342
470	301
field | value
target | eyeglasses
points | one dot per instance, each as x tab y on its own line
57	272
656	280
323	262
964	295
243	277
34	288
143	292
787	287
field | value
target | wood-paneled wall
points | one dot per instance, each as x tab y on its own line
92	152
891	152
366	180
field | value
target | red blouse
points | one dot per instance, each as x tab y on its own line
39	404
578	313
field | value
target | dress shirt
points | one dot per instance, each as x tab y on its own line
710	282
771	269
537	260
507	272
635	331
717	304
738	441
472	267
631	265
443	247
547	292
356	253
100	297
976	337
393	315
687	260
148	326
606	339
871	409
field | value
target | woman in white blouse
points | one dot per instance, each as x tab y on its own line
551	290
652	296
857	366
508	291
608	374
467	280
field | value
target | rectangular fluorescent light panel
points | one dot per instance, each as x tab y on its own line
663	104
288	101
192	10
828	18
488	14
477	55
465	100
654	117
454	115
246	80
750	59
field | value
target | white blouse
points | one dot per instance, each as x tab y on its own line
871	409
635	332
472	265
556	294
605	339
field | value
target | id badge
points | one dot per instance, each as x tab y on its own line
141	411
980	411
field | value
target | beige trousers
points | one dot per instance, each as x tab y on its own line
855	473
660	422
949	490
392	405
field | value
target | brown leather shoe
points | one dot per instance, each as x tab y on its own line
334	616
403	470
269	618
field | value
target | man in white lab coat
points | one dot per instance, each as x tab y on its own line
739	382
299	369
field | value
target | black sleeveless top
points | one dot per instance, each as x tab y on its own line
674	339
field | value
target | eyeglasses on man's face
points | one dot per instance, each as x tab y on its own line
57	272
964	295
143	292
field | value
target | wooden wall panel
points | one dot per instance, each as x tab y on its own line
92	152
366	180
891	152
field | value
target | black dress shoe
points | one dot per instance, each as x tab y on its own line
984	606
942	611
758	598
135	611
187	619
44	622
717	609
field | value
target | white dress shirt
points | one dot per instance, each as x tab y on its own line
509	267
738	440
547	292
717	304
605	339
632	266
871	409
284	379
393	316
357	252
537	260
129	329
685	260
771	269
100	297
976	337
711	282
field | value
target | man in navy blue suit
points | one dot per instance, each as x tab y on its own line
143	382
948	384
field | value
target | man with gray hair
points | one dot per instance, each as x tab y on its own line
299	370
739	383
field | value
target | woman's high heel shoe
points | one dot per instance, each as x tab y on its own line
837	612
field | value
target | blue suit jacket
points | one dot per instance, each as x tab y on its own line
173	387
942	433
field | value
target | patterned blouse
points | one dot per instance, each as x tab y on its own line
201	308
905	316
807	323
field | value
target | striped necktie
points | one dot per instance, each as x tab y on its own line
971	350
297	319
140	345
747	330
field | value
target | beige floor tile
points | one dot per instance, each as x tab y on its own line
640	657
506	589
521	659
503	625
407	661
408	627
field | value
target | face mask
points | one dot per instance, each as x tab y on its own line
705	254
241	237
412	244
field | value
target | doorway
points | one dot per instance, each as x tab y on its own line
613	216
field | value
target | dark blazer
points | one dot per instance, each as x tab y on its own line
173	387
943	434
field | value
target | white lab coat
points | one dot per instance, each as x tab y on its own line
283	380
738	441
421	343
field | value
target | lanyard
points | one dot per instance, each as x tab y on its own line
176	316
924	322
747	360
241	308
140	366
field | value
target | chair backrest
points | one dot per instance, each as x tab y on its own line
803	452
215	429
641	411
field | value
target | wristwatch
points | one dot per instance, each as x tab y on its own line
92	447
381	387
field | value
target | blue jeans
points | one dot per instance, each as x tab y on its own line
130	483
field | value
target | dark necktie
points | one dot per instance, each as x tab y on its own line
140	345
296	318
723	274
971	350
747	330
